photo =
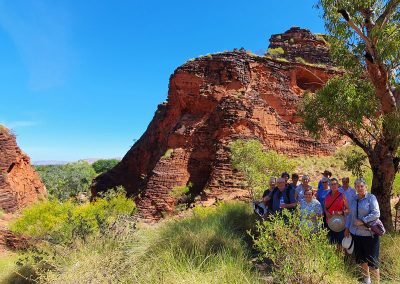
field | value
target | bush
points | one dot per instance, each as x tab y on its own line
179	191
64	181
61	222
275	51
300	60
258	165
101	166
298	254
356	161
209	247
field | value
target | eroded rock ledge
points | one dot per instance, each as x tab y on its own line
20	185
212	101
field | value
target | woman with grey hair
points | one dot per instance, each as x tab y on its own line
305	179
364	208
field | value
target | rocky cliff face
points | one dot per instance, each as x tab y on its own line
212	101
299	45
19	183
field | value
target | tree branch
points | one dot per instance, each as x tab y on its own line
389	10
362	35
355	139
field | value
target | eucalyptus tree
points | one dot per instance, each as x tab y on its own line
363	102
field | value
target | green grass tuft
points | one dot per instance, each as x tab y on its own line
275	51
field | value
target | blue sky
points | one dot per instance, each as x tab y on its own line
83	78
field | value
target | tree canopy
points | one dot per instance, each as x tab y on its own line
363	102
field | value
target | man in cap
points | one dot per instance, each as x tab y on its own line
326	174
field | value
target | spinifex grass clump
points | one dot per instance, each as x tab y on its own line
298	252
390	258
212	246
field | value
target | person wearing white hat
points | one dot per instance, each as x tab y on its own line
364	208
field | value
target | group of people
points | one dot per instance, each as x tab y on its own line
345	212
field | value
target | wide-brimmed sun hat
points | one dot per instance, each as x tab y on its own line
337	223
348	244
328	173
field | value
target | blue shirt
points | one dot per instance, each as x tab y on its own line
300	192
321	195
309	209
276	196
350	192
368	210
321	186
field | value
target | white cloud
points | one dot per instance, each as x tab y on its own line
19	124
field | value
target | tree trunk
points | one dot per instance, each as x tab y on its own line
384	168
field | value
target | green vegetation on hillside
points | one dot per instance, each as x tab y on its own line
65	181
61	222
275	51
103	165
258	165
300	254
213	245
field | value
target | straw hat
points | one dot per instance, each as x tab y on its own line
337	223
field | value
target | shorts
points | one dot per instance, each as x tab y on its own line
366	250
335	237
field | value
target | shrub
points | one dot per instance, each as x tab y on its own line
167	154
275	51
257	164
64	181
101	166
181	190
298	254
300	60
355	160
322	38
61	222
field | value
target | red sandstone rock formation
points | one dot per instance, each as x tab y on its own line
300	45
19	183
212	101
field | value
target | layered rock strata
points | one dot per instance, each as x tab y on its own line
20	185
213	100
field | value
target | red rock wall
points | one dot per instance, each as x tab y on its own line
20	185
212	101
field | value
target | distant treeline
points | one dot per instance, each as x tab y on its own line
65	181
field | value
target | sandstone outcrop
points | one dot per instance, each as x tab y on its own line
213	100
20	185
299	45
